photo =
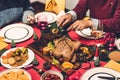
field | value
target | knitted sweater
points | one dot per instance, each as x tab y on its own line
14	10
107	11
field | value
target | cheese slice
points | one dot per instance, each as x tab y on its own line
113	65
55	6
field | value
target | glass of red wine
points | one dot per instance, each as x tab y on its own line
42	21
97	32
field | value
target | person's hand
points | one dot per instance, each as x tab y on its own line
80	25
31	19
63	20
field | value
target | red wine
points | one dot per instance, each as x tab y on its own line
43	24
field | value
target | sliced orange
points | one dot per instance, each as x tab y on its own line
67	65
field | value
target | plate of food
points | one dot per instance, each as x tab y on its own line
51	17
18	32
86	33
18	57
15	74
100	73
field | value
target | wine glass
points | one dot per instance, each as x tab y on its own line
97	32
42	21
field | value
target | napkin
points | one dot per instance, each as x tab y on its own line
113	65
1	38
2	43
55	6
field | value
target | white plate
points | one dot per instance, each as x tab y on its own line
92	74
30	58
51	17
15	70
18	32
86	33
117	43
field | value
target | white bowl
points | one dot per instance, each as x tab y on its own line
52	72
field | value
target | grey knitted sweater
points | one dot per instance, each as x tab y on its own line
12	11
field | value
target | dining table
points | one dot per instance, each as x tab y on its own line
77	74
72	34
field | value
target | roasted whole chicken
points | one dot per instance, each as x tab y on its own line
65	47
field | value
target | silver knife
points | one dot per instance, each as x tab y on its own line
104	77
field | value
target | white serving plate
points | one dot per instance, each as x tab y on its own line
15	70
86	33
92	74
30	58
51	17
18	32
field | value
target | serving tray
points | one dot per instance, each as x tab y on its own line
46	37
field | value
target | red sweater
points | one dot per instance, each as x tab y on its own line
108	11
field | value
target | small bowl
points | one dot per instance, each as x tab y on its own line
51	72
